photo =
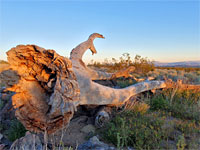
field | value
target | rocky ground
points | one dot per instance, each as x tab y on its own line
80	133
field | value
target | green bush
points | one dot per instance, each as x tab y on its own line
124	83
184	112
184	104
134	129
16	130
158	103
142	65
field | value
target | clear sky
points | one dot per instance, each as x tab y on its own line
162	30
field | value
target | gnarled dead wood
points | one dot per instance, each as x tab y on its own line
76	58
94	93
180	86
123	73
47	90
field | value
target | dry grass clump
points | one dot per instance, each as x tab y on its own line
137	106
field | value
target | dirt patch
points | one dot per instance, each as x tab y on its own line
73	136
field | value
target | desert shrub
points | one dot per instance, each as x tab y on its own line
138	107
190	76
172	72
158	102
16	130
124	83
187	127
177	119
198	73
142	65
181	143
184	112
188	97
97	64
180	72
184	104
140	131
185	69
187	77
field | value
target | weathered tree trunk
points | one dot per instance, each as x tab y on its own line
180	86
50	87
47	91
47	88
94	93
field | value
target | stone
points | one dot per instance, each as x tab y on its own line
1	136
169	144
94	144
88	129
28	142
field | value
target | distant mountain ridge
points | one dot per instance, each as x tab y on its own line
178	64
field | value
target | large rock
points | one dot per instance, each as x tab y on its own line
88	129
28	142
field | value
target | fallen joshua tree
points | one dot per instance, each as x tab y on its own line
50	86
47	88
94	93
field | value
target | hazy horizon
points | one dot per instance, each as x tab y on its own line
164	31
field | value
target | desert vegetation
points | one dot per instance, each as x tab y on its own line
168	120
142	65
161	114
165	124
146	68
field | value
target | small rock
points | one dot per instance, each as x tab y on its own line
94	144
88	129
130	148
2	89
169	144
1	136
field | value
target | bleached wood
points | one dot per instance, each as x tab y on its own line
94	93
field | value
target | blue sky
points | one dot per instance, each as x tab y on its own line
164	31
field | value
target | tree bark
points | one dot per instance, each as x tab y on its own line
47	88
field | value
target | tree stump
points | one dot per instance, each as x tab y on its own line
47	91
